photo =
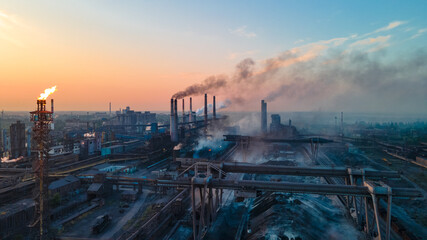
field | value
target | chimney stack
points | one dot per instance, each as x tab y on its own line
172	124
52	125
263	117
183	111
191	110
172	127
176	121
342	124
206	110
110	108
214	109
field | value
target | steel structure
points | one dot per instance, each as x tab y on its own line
239	167
42	120
313	141
209	179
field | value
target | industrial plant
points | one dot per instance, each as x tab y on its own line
201	175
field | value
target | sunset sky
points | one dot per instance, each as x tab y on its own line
140	53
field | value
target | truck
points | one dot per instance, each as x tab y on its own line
101	223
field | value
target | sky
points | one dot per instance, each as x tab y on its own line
358	56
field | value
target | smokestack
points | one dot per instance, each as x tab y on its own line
191	110
173	122
183	111
342	124
214	108
206	110
52	125
290	122
176	121
110	108
263	117
29	142
172	118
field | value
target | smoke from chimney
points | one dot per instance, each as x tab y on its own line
332	74
212	83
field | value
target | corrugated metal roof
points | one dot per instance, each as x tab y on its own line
94	187
63	182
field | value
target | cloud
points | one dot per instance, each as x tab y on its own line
390	26
242	32
303	53
293	56
371	44
419	33
299	41
336	41
370	41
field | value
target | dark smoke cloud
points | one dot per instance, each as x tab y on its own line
210	83
326	76
276	62
357	80
244	70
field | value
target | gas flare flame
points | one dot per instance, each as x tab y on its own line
46	93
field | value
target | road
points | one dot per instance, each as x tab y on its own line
128	216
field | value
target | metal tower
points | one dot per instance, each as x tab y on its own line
42	120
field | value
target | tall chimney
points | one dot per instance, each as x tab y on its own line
342	124
206	110
263	117
176	121
183	111
191	110
52	125
172	122
110	108
214	108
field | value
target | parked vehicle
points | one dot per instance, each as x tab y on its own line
101	223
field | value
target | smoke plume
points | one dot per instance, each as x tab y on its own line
348	73
210	83
220	106
244	70
354	80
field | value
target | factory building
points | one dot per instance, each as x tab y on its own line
5	143
15	217
88	147
75	123
130	117
280	130
17	140
64	186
